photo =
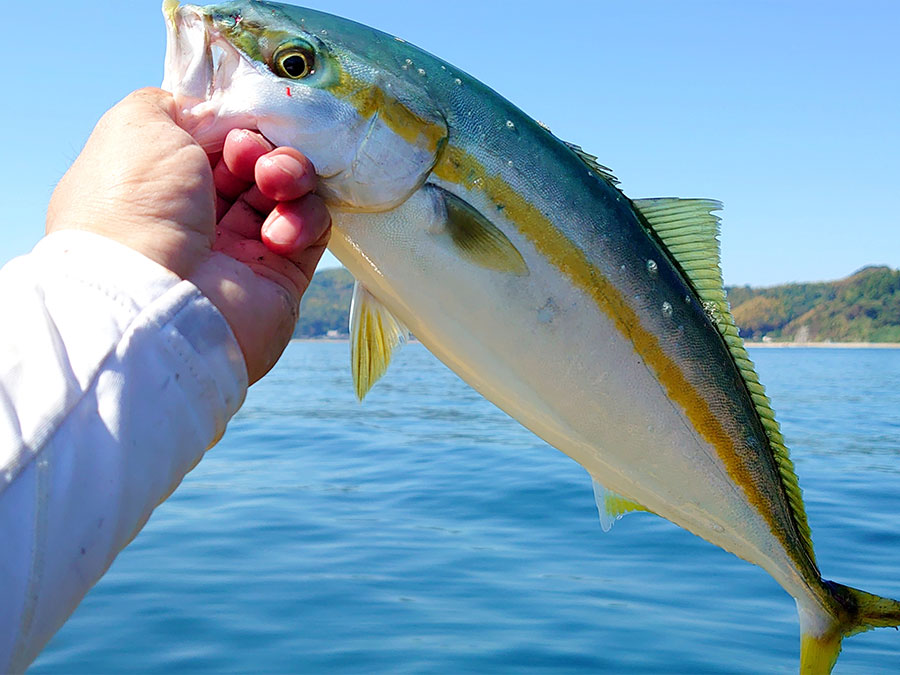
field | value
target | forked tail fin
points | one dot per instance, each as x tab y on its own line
821	633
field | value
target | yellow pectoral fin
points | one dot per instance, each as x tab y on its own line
374	335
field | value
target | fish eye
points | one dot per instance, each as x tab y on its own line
294	61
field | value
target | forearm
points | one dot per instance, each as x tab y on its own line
115	376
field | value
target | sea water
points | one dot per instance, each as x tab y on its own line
425	531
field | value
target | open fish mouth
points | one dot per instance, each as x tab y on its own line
200	67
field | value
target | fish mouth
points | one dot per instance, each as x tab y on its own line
199	68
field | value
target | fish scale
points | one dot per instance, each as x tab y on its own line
598	322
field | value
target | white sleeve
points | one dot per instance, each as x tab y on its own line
115	377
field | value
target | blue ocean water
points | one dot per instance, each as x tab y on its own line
426	531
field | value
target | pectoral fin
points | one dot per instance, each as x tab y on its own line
374	335
611	506
476	238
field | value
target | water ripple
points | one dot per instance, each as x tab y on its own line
425	531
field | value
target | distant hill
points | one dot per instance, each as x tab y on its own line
326	304
864	307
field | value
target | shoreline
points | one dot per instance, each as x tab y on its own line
321	339
823	345
750	345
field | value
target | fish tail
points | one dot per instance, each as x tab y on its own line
822	631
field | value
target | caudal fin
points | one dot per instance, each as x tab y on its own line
822	633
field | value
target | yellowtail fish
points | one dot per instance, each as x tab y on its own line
597	321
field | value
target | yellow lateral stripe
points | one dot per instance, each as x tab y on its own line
369	99
458	166
693	241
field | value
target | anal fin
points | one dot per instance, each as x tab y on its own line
374	335
612	506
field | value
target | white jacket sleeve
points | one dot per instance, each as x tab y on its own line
115	377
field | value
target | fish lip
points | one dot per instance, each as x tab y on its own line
188	63
199	65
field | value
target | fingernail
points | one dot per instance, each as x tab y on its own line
281	233
240	135
286	164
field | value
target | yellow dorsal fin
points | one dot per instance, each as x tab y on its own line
374	335
611	506
690	233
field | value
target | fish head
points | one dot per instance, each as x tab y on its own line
372	134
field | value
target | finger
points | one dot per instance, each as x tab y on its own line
252	206
284	272
214	159
147	100
285	174
246	215
235	173
296	225
228	186
307	261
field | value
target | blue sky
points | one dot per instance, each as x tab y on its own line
786	111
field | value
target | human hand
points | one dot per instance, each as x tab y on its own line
244	226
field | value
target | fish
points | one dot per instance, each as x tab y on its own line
598	321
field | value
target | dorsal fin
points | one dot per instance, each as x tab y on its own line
374	335
591	160
690	232
592	163
611	505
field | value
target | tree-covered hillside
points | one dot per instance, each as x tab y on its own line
326	304
864	307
